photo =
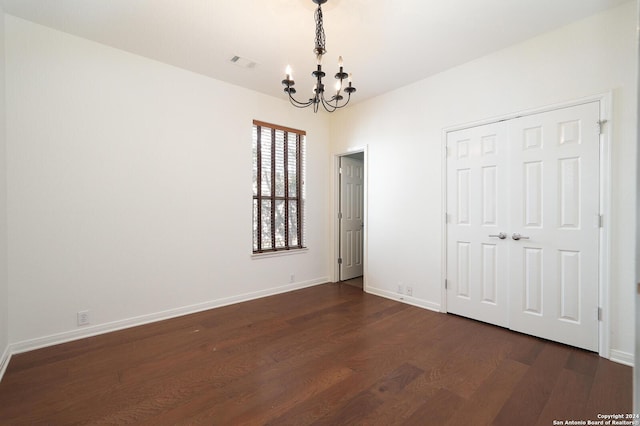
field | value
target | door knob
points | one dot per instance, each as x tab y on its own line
517	237
501	235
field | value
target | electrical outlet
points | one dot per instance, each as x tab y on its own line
409	290
83	318
400	288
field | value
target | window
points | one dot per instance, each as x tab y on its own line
278	193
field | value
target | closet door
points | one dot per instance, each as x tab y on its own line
554	206
477	210
523	224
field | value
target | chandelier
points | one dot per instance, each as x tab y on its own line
337	100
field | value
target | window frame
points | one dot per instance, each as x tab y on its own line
258	248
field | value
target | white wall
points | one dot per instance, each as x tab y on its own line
129	189
4	306
403	130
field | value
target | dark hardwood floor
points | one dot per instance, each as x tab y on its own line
325	355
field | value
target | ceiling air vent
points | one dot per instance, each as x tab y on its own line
243	62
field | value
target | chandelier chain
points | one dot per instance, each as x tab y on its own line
320	37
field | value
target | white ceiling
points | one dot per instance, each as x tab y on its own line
385	44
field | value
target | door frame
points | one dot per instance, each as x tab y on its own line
605	178
335	252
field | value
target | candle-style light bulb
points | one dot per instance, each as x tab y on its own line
340	61
338	86
288	72
349	77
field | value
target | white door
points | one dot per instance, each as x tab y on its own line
540	276
477	215
351	217
555	204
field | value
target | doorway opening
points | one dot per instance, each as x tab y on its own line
351	218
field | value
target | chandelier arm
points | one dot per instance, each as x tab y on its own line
344	104
337	98
300	105
327	105
296	103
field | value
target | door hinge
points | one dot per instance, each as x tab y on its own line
600	124
339	261
599	314
446	284
600	221
339	215
340	170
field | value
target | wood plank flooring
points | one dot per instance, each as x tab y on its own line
326	355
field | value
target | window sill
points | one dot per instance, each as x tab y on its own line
268	254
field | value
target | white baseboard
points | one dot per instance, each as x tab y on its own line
4	361
68	336
621	357
404	299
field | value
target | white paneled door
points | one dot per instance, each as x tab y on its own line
523	224
351	217
477	181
